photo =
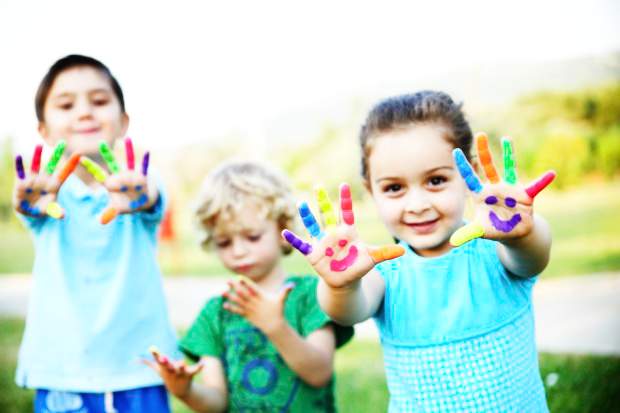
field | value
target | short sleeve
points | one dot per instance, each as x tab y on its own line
311	316
204	337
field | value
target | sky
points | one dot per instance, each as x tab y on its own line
203	71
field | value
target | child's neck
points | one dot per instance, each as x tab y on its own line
274	279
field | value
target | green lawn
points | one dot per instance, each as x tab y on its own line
584	383
585	224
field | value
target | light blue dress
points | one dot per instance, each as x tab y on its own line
97	303
458	333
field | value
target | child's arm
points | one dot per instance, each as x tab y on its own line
35	193
310	358
209	396
349	291
504	211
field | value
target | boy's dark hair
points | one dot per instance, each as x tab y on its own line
426	106
69	62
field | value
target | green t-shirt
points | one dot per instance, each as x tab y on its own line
258	378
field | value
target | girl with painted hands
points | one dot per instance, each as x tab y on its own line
264	345
454	312
95	235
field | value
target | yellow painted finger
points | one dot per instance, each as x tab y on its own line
466	234
54	210
484	154
326	208
92	168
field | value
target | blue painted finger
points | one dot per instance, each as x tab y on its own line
309	220
466	171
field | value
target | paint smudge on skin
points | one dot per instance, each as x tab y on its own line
346	262
504	226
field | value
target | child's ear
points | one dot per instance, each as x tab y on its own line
124	124
45	134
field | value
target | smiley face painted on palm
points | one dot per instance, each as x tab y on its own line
498	223
339	265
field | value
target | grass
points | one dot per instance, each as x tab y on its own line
584	383
585	223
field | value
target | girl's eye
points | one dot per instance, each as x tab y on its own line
436	180
65	106
254	237
392	188
100	102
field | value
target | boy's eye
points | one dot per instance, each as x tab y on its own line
254	237
65	105
100	100
222	243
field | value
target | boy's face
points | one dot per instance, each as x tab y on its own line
416	187
82	109
249	244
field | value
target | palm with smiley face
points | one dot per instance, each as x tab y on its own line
503	209
336	253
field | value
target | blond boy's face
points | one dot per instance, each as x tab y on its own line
249	244
82	109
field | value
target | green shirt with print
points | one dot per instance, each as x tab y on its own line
259	380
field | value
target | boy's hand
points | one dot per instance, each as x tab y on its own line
503	209
129	190
337	254
35	193
264	310
177	375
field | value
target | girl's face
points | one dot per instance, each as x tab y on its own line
416	187
82	109
249	245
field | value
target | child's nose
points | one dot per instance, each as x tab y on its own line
83	109
417	202
239	249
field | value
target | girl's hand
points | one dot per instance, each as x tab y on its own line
177	375
35	193
264	310
129	190
503	209
337	254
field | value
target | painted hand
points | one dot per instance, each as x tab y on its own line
337	254
177	375
503	209
128	189
35	193
262	309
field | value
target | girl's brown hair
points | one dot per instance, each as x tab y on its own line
422	107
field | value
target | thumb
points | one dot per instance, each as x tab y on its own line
285	291
385	252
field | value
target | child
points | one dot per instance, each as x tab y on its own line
456	324
97	299
265	345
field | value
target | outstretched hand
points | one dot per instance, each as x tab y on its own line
128	189
503	209
177	375
36	192
336	253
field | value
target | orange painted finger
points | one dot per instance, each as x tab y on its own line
386	252
484	154
69	167
108	215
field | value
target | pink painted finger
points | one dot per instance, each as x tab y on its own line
35	165
346	204
130	154
540	184
145	163
19	167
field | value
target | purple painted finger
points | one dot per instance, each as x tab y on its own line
296	242
19	167
145	163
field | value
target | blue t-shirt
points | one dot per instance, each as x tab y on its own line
458	333
97	303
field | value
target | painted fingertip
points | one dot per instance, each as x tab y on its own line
19	167
145	163
54	210
129	153
108	215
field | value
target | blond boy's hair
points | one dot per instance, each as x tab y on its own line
235	185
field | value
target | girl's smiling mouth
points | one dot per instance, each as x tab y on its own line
424	227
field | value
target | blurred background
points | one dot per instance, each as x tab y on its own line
292	82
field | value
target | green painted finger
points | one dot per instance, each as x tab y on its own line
326	208
55	158
95	170
510	173
108	157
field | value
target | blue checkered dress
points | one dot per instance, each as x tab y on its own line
458	334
